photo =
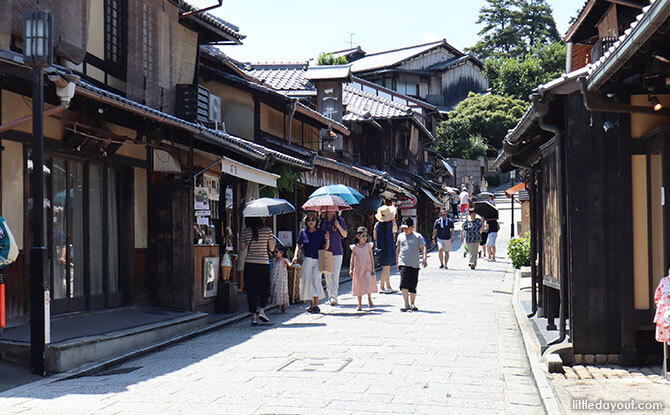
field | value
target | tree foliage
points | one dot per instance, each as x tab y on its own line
519	77
478	123
328	59
511	28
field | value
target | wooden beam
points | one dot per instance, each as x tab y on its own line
627	3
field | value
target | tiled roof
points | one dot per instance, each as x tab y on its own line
345	52
363	106
440	66
216	22
394	57
640	30
281	76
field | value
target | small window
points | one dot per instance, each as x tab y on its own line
115	32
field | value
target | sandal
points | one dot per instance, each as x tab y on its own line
360	308
371	305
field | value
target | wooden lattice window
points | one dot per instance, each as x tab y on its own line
115	32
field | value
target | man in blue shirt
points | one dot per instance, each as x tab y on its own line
443	234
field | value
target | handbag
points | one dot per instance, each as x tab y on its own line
325	261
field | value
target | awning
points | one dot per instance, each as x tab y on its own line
252	174
448	167
514	189
432	197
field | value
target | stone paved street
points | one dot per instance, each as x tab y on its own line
461	353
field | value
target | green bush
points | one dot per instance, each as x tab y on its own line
518	250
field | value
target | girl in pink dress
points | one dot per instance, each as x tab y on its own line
662	316
362	268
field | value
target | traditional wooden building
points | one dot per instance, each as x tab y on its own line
435	72
593	145
142	181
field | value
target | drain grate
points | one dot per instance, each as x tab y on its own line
119	371
315	365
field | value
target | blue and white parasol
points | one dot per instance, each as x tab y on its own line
267	206
8	248
349	194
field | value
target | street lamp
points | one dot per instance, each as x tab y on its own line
38	53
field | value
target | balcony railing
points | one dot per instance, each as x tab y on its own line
601	46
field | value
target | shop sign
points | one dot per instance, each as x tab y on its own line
201	198
210	271
286	238
229	197
213	186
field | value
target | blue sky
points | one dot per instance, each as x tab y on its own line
297	30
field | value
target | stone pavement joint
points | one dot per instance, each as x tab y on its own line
461	353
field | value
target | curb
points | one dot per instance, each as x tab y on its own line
532	346
99	366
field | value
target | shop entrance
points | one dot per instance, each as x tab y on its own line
82	233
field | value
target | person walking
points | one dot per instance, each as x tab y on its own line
279	279
472	233
409	247
258	241
463	198
362	268
311	239
484	185
492	227
384	234
334	225
444	236
454	205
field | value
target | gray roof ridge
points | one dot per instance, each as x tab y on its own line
435	42
376	98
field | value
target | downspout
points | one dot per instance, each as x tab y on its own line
291	112
568	56
562	229
194	12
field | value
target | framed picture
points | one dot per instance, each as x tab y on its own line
213	186
210	276
201	198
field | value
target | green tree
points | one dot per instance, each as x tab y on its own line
513	27
478	123
500	34
328	59
519	77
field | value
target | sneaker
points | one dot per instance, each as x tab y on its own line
442	266
262	317
413	308
254	321
333	301
405	308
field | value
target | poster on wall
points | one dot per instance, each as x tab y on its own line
210	277
229	197
201	198
286	238
212	183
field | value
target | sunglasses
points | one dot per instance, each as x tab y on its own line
364	235
311	220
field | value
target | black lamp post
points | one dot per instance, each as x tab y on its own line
38	53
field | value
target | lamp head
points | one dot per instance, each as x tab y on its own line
38	38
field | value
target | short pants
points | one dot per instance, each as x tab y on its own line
444	244
409	277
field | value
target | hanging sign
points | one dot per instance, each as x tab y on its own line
201	198
213	187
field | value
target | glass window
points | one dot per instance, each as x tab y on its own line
59	228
